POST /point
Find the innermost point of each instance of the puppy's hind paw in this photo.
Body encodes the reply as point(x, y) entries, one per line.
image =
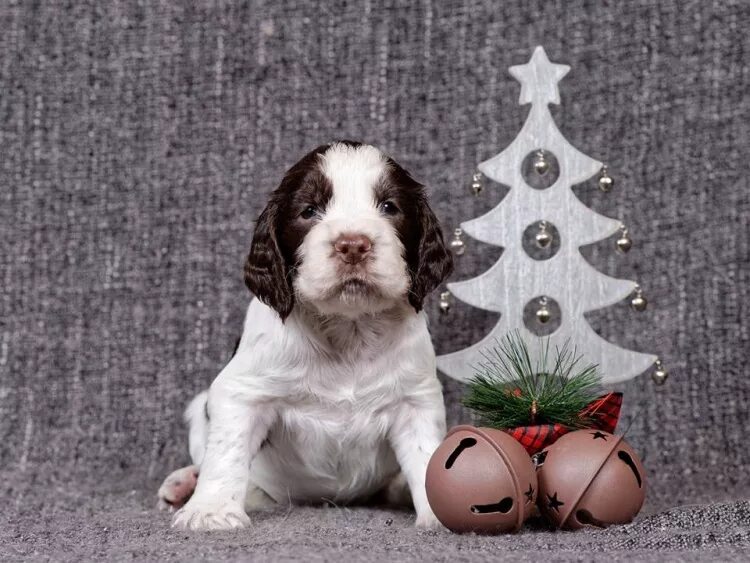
point(210, 516)
point(177, 488)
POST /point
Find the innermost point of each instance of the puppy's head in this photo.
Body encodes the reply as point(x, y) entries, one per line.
point(347, 232)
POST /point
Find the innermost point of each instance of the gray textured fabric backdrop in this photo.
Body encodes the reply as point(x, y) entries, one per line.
point(138, 142)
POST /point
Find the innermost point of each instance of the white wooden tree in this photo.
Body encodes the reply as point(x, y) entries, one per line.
point(565, 278)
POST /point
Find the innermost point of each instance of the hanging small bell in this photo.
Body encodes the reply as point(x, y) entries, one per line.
point(445, 302)
point(624, 243)
point(541, 165)
point(606, 182)
point(476, 183)
point(543, 237)
point(638, 302)
point(659, 375)
point(542, 314)
point(457, 245)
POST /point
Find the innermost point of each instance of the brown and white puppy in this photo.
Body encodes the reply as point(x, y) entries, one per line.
point(332, 393)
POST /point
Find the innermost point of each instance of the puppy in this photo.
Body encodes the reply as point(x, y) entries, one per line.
point(332, 393)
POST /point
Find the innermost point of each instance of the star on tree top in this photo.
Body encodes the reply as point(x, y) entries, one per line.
point(539, 79)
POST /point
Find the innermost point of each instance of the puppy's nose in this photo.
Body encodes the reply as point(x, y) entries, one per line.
point(352, 248)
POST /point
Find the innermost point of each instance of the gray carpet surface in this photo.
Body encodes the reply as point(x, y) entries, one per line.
point(122, 526)
point(138, 142)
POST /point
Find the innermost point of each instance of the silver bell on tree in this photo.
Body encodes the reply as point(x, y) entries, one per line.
point(543, 237)
point(659, 375)
point(606, 182)
point(638, 302)
point(542, 314)
point(476, 183)
point(624, 242)
point(541, 164)
point(445, 302)
point(457, 244)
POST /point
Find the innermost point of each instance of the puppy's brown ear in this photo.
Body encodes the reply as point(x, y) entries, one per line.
point(433, 262)
point(266, 271)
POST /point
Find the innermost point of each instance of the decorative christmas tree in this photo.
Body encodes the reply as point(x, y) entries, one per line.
point(541, 225)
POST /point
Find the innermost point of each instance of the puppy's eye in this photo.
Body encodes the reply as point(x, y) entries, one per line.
point(309, 212)
point(389, 208)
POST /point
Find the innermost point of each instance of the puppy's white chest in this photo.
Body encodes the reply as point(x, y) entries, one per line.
point(320, 449)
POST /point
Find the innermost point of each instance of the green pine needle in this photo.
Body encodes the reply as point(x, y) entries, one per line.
point(508, 386)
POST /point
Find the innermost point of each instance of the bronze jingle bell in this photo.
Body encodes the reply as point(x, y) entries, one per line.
point(590, 478)
point(481, 480)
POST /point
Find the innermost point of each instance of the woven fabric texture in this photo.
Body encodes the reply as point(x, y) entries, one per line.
point(139, 141)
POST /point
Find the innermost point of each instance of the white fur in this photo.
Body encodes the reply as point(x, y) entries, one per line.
point(344, 391)
point(195, 416)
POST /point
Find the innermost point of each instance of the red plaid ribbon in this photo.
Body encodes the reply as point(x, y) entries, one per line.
point(603, 414)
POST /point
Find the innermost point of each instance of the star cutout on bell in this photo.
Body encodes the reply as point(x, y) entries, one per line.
point(599, 435)
point(539, 78)
point(554, 503)
point(529, 494)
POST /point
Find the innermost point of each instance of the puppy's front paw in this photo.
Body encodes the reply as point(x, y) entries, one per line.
point(203, 515)
point(426, 520)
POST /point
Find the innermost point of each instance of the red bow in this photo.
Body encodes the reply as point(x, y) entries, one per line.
point(603, 414)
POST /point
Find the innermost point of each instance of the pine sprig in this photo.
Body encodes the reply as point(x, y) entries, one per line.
point(511, 390)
